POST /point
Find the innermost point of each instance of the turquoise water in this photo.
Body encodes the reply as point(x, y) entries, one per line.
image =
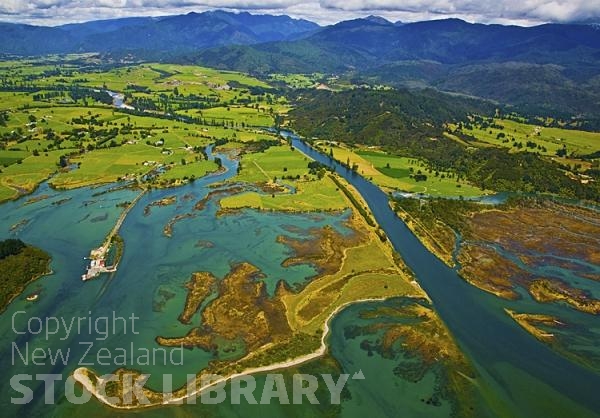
point(152, 265)
point(517, 376)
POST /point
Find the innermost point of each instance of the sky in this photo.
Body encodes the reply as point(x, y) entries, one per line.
point(519, 12)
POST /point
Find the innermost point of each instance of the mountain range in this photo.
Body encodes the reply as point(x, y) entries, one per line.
point(189, 32)
point(551, 69)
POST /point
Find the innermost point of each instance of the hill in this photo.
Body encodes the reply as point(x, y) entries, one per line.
point(412, 124)
point(548, 70)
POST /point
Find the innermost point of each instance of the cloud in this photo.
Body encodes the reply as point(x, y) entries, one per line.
point(526, 12)
point(540, 10)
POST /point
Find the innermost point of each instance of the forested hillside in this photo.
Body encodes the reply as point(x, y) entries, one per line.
point(413, 124)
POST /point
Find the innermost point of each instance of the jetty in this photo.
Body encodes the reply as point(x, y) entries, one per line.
point(98, 255)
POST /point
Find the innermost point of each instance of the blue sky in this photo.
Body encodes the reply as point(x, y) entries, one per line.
point(521, 12)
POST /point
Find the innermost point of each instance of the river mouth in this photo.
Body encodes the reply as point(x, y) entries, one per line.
point(518, 375)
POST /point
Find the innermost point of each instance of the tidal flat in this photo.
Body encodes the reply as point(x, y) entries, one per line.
point(539, 254)
point(246, 325)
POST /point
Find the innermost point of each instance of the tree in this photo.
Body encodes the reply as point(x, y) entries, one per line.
point(3, 118)
point(63, 161)
point(10, 247)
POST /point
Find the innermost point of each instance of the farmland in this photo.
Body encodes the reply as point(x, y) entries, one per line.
point(519, 136)
point(309, 196)
point(400, 173)
point(275, 162)
point(59, 120)
point(295, 187)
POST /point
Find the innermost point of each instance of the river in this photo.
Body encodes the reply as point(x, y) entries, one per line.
point(526, 377)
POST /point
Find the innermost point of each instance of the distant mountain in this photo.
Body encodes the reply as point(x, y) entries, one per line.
point(32, 40)
point(547, 69)
point(378, 19)
point(82, 30)
point(453, 41)
point(378, 42)
point(189, 32)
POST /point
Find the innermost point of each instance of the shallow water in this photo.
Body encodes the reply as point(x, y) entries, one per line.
point(517, 375)
point(152, 266)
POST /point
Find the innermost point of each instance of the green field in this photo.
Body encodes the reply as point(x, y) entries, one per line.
point(109, 165)
point(309, 81)
point(191, 170)
point(547, 140)
point(156, 77)
point(62, 111)
point(310, 195)
point(239, 115)
point(26, 176)
point(276, 162)
point(400, 170)
point(394, 172)
point(299, 81)
point(288, 167)
point(12, 157)
point(103, 163)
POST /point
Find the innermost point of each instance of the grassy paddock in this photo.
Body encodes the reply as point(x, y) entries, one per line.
point(310, 196)
point(39, 131)
point(374, 165)
point(550, 139)
point(276, 161)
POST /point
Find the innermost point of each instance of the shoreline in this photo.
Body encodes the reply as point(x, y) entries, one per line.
point(89, 380)
point(425, 237)
point(50, 272)
point(21, 191)
point(80, 374)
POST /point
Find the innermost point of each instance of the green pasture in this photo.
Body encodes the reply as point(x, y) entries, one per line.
point(552, 139)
